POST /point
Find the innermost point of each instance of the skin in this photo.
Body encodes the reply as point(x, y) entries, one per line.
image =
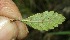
point(10, 29)
point(9, 9)
point(22, 30)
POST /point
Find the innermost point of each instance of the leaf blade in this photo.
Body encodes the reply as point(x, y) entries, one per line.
point(45, 21)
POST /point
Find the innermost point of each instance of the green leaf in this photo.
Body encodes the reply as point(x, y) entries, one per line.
point(44, 21)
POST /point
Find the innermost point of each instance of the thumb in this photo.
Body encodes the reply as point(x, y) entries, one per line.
point(8, 30)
